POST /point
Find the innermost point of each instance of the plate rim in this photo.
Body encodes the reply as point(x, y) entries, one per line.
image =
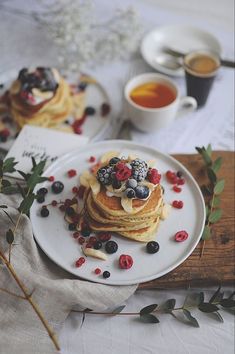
point(153, 150)
point(157, 67)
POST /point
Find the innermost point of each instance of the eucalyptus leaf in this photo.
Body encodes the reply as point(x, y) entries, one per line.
point(10, 236)
point(207, 211)
point(192, 300)
point(219, 187)
point(3, 206)
point(191, 319)
point(206, 157)
point(217, 296)
point(206, 190)
point(209, 150)
point(148, 318)
point(227, 303)
point(21, 190)
point(148, 309)
point(33, 162)
point(215, 216)
point(206, 235)
point(169, 304)
point(6, 183)
point(24, 175)
point(217, 316)
point(36, 173)
point(118, 309)
point(9, 165)
point(207, 307)
point(26, 203)
point(9, 190)
point(231, 295)
point(217, 164)
point(215, 203)
point(211, 175)
point(201, 295)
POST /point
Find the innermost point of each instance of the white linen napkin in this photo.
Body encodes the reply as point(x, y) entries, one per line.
point(55, 291)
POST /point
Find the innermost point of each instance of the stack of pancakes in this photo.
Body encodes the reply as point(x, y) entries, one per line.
point(49, 113)
point(105, 213)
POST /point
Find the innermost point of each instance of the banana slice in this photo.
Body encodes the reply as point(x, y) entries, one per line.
point(150, 185)
point(95, 253)
point(151, 163)
point(165, 211)
point(132, 157)
point(127, 204)
point(84, 179)
point(108, 156)
point(15, 88)
point(94, 184)
point(46, 95)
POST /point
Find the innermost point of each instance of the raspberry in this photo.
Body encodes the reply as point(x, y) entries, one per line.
point(92, 240)
point(153, 176)
point(89, 245)
point(120, 166)
point(76, 234)
point(80, 262)
point(81, 191)
point(92, 159)
point(125, 261)
point(81, 240)
point(178, 204)
point(68, 202)
point(75, 190)
point(123, 174)
point(171, 177)
point(177, 189)
point(104, 236)
point(51, 179)
point(72, 173)
point(105, 109)
point(181, 236)
point(5, 133)
point(181, 181)
point(97, 271)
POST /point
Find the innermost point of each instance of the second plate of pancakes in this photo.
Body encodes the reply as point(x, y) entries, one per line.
point(56, 240)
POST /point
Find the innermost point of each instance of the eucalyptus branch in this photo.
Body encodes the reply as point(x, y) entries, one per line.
point(31, 179)
point(212, 190)
point(193, 301)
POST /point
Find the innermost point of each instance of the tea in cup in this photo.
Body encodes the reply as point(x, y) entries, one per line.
point(153, 101)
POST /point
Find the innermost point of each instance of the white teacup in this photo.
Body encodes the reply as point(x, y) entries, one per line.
point(150, 119)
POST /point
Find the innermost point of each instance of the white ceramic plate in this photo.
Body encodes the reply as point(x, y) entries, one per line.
point(57, 242)
point(95, 127)
point(178, 37)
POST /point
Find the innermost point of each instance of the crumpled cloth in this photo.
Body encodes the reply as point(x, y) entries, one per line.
point(55, 291)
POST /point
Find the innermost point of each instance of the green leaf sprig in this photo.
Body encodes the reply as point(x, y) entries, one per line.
point(212, 190)
point(193, 301)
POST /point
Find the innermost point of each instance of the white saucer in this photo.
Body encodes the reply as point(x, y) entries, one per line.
point(178, 37)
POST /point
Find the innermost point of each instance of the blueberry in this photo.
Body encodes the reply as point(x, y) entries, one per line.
point(114, 160)
point(44, 212)
point(85, 232)
point(70, 211)
point(152, 247)
point(82, 86)
point(57, 187)
point(130, 193)
point(111, 247)
point(42, 191)
point(131, 183)
point(40, 198)
point(90, 111)
point(179, 174)
point(72, 227)
point(142, 192)
point(97, 245)
point(116, 184)
point(106, 274)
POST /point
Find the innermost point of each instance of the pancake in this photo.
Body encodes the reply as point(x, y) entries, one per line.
point(112, 205)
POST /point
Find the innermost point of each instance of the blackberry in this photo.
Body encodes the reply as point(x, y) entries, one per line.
point(114, 160)
point(139, 169)
point(104, 175)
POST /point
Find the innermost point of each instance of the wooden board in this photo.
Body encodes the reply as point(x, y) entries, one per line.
point(217, 264)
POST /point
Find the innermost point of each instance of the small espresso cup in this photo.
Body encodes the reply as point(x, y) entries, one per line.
point(200, 67)
point(151, 119)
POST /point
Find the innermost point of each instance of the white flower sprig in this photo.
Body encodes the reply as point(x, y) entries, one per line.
point(82, 39)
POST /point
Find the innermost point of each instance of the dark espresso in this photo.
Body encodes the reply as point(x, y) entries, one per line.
point(200, 71)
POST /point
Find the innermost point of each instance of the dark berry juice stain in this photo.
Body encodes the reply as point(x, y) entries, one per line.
point(224, 239)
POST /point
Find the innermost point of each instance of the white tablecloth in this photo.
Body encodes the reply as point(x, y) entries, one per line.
point(21, 45)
